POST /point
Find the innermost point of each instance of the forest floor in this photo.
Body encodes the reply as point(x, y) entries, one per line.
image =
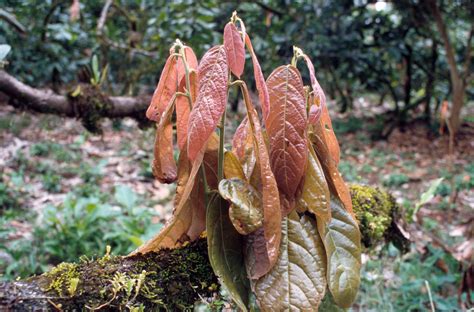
point(65, 192)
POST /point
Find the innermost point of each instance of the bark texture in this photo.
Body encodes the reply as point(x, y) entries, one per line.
point(46, 101)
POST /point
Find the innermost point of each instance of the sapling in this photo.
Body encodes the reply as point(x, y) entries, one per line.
point(275, 209)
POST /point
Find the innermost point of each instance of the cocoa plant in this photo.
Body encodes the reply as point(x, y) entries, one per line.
point(275, 209)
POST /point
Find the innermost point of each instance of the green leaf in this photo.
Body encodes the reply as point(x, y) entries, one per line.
point(429, 194)
point(341, 238)
point(95, 68)
point(224, 245)
point(315, 196)
point(328, 304)
point(4, 50)
point(297, 282)
point(246, 212)
point(125, 196)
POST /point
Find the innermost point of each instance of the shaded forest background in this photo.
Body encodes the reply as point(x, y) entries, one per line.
point(387, 67)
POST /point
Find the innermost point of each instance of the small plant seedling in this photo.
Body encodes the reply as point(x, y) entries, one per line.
point(276, 211)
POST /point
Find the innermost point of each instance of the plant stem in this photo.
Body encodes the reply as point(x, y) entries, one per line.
point(220, 171)
point(206, 187)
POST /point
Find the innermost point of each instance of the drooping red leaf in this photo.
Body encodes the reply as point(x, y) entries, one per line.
point(211, 99)
point(166, 88)
point(164, 165)
point(264, 245)
point(286, 129)
point(188, 219)
point(191, 60)
point(183, 110)
point(318, 93)
point(235, 49)
point(259, 80)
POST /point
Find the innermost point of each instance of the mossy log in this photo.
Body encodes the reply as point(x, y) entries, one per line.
point(169, 279)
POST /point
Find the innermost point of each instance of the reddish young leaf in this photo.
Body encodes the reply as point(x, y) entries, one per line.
point(235, 49)
point(183, 110)
point(211, 99)
point(319, 96)
point(259, 80)
point(240, 139)
point(286, 129)
point(266, 242)
point(164, 165)
point(166, 88)
point(191, 60)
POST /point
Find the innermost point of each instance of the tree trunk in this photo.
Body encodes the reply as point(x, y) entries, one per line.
point(168, 279)
point(458, 92)
point(458, 79)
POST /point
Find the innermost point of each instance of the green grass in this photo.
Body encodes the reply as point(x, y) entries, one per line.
point(392, 282)
point(79, 226)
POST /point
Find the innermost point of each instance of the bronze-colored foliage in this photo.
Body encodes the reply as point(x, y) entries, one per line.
point(286, 129)
point(211, 99)
point(232, 167)
point(315, 196)
point(225, 251)
point(341, 238)
point(298, 280)
point(335, 181)
point(244, 199)
point(245, 211)
point(266, 242)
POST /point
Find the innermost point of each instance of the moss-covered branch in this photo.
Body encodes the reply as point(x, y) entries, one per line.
point(167, 280)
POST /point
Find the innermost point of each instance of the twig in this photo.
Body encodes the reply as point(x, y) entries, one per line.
point(12, 20)
point(103, 17)
point(431, 297)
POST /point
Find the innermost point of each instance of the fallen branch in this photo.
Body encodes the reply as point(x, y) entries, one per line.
point(169, 279)
point(46, 101)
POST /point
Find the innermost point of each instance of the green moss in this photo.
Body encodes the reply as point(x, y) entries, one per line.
point(62, 277)
point(166, 280)
point(374, 209)
point(90, 105)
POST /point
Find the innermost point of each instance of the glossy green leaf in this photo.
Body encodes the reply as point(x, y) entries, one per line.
point(341, 239)
point(315, 194)
point(224, 245)
point(297, 282)
point(246, 210)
